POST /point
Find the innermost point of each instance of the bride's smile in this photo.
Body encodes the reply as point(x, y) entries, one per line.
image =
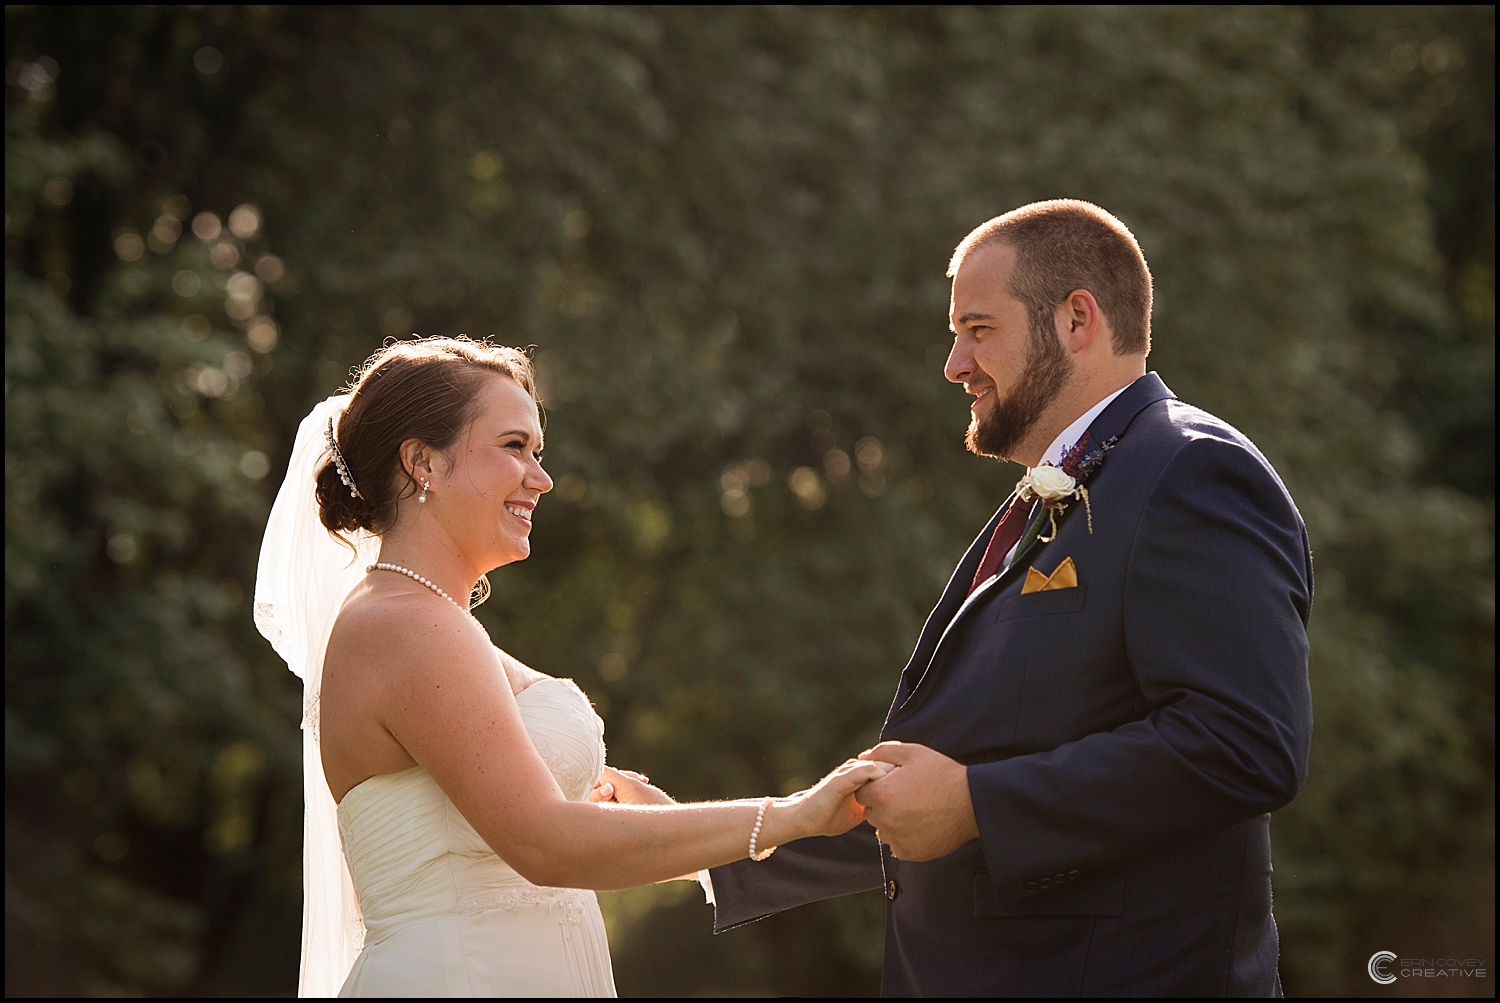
point(521, 510)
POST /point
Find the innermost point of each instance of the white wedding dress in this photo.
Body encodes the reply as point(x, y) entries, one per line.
point(443, 914)
point(401, 897)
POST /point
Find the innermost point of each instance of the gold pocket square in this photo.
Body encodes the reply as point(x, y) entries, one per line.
point(1065, 576)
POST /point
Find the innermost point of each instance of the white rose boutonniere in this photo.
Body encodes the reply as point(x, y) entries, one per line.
point(1058, 485)
point(1048, 483)
point(1056, 488)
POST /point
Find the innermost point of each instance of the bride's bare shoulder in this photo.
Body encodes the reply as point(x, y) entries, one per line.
point(379, 628)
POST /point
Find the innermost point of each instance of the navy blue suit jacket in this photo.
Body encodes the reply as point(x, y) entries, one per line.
point(1125, 740)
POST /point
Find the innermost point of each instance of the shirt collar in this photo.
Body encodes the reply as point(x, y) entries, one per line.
point(1074, 432)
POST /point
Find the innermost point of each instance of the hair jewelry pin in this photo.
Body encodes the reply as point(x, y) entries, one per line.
point(338, 462)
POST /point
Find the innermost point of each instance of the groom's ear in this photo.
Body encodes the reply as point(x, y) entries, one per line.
point(1079, 321)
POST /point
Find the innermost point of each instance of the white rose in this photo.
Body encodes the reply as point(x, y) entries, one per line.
point(1050, 482)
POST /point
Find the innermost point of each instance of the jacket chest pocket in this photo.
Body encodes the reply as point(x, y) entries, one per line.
point(1045, 603)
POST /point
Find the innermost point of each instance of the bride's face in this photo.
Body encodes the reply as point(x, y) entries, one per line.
point(487, 484)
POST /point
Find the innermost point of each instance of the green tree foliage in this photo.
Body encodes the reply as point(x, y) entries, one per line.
point(724, 231)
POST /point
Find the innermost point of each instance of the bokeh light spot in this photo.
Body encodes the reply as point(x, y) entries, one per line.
point(269, 269)
point(212, 382)
point(208, 60)
point(129, 246)
point(808, 487)
point(164, 234)
point(225, 255)
point(244, 222)
point(206, 226)
point(836, 463)
point(238, 365)
point(176, 207)
point(577, 224)
point(486, 166)
point(186, 283)
point(121, 548)
point(58, 191)
point(254, 465)
point(261, 335)
point(111, 847)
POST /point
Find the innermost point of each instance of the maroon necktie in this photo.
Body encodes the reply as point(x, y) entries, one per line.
point(1007, 532)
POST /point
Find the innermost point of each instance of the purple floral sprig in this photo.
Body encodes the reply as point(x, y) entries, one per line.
point(1080, 464)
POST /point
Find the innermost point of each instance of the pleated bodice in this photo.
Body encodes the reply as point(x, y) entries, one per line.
point(424, 876)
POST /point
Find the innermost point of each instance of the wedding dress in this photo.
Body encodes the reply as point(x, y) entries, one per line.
point(401, 897)
point(443, 914)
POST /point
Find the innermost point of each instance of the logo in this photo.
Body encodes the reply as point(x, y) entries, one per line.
point(1386, 967)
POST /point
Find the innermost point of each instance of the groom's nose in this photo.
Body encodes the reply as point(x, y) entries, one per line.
point(960, 365)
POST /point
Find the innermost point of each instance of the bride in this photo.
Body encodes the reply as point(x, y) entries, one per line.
point(457, 802)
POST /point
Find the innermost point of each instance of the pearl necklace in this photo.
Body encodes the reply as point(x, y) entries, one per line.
point(382, 566)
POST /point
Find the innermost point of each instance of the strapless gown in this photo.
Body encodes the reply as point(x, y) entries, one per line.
point(443, 914)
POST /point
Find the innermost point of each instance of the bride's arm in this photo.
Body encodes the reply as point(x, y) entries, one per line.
point(443, 696)
point(630, 787)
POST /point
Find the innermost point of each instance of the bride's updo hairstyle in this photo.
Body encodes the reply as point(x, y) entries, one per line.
point(425, 389)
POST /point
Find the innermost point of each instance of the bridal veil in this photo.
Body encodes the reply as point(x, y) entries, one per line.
point(302, 581)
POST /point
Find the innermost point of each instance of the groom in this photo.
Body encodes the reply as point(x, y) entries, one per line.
point(1111, 695)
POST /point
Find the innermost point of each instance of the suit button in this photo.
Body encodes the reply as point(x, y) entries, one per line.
point(1059, 879)
point(892, 889)
point(1074, 874)
point(1031, 888)
point(1046, 883)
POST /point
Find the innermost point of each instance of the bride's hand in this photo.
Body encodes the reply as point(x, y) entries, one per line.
point(828, 808)
point(627, 787)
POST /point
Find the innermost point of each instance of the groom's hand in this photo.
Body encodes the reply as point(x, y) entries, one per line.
point(922, 810)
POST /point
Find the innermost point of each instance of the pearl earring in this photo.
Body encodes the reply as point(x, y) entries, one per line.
point(423, 496)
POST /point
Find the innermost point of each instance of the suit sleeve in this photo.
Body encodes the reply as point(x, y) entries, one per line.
point(808, 870)
point(1217, 595)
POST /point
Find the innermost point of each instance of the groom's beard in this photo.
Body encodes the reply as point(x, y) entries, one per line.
point(1047, 371)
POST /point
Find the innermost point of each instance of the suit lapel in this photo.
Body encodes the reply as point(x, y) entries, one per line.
point(965, 605)
point(942, 614)
point(1111, 423)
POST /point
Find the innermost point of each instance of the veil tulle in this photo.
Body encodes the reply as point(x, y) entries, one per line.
point(301, 583)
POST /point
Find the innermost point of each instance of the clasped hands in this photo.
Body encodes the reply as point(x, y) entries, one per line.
point(919, 803)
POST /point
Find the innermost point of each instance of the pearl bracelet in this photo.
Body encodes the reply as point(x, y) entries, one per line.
point(760, 818)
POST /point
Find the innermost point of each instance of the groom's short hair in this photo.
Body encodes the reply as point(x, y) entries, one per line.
point(1067, 244)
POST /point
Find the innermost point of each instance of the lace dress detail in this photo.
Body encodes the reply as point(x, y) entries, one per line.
point(567, 904)
point(444, 914)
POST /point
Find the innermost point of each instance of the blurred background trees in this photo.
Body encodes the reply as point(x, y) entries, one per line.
point(724, 231)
